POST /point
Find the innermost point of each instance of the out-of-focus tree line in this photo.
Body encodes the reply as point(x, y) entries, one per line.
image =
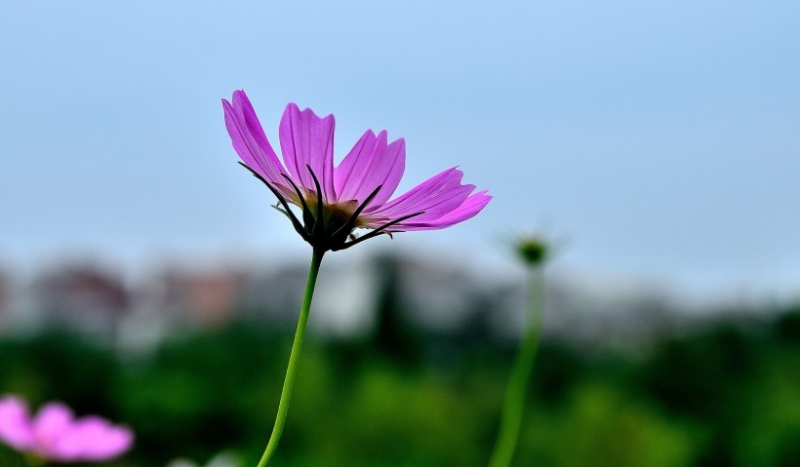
point(724, 395)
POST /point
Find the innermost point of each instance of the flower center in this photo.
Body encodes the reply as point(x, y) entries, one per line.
point(334, 216)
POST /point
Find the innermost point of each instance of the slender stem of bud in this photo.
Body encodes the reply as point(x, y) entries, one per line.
point(520, 373)
point(294, 358)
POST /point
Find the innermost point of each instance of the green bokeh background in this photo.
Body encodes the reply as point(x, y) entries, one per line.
point(726, 395)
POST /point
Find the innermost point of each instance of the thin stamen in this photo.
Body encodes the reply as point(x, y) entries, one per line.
point(352, 221)
point(380, 230)
point(319, 220)
point(299, 193)
point(295, 222)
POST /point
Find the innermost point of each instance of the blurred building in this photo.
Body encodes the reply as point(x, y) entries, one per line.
point(177, 300)
point(388, 297)
point(5, 304)
point(273, 295)
point(204, 300)
point(83, 298)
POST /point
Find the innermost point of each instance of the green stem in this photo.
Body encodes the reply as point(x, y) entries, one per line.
point(520, 374)
point(294, 358)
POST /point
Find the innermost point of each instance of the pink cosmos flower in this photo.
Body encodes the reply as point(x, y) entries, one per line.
point(55, 435)
point(355, 193)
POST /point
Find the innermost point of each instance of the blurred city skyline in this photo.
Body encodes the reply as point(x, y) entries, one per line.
point(658, 141)
point(101, 303)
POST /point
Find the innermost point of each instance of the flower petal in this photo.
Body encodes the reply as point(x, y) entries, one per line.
point(249, 140)
point(307, 141)
point(51, 423)
point(93, 439)
point(371, 163)
point(15, 423)
point(434, 197)
point(468, 209)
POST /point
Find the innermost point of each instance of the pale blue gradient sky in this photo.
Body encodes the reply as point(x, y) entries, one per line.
point(662, 139)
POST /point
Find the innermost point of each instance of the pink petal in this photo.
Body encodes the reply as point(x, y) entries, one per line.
point(92, 439)
point(249, 140)
point(434, 197)
point(115, 442)
point(307, 141)
point(51, 423)
point(468, 209)
point(15, 423)
point(369, 164)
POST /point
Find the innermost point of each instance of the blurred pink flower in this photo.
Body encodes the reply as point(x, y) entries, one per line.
point(353, 194)
point(54, 434)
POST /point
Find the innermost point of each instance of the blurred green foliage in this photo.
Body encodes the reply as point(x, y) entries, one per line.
point(726, 396)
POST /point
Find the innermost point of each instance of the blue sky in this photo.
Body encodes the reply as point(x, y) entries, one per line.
point(660, 139)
